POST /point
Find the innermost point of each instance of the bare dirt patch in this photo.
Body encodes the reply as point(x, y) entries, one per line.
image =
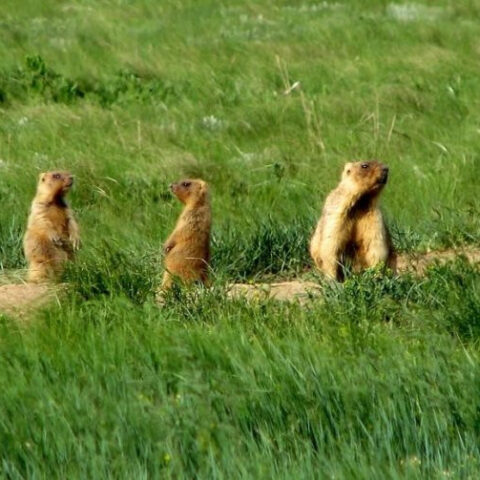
point(19, 300)
point(418, 262)
point(302, 290)
point(296, 290)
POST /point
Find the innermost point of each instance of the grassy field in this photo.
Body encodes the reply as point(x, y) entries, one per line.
point(381, 378)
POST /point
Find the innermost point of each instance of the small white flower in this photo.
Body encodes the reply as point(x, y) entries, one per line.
point(23, 121)
point(212, 123)
point(409, 12)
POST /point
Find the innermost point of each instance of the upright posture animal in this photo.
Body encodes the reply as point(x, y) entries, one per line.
point(187, 250)
point(52, 233)
point(351, 226)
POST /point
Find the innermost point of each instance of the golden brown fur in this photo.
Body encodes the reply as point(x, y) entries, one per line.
point(52, 234)
point(351, 225)
point(187, 250)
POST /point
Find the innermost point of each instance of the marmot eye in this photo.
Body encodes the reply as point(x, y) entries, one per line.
point(186, 184)
point(364, 165)
point(56, 176)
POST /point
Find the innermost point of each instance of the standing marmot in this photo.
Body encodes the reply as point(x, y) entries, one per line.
point(351, 225)
point(187, 250)
point(52, 233)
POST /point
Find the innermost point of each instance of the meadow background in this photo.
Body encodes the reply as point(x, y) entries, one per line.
point(378, 379)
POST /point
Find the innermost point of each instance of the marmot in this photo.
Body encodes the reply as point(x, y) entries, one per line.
point(187, 250)
point(52, 233)
point(351, 225)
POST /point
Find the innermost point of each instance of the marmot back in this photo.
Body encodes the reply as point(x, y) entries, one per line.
point(52, 234)
point(187, 250)
point(352, 225)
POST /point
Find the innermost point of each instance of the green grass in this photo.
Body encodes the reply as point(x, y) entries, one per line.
point(380, 379)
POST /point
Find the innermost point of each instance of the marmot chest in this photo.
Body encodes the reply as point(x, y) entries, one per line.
point(57, 218)
point(194, 222)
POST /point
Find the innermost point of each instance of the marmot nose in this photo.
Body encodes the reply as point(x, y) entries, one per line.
point(385, 169)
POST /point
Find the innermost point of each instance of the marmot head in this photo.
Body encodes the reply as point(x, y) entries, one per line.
point(53, 185)
point(190, 191)
point(365, 177)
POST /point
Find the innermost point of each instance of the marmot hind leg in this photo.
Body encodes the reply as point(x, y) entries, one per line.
point(328, 261)
point(42, 272)
point(45, 261)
